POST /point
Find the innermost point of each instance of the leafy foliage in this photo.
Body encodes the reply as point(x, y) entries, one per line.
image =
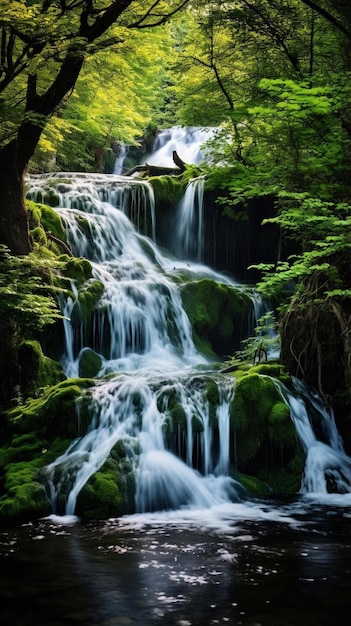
point(322, 230)
point(26, 294)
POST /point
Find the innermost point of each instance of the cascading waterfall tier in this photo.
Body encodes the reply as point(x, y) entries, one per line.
point(175, 441)
point(187, 233)
point(156, 396)
point(158, 404)
point(327, 466)
point(93, 192)
point(188, 142)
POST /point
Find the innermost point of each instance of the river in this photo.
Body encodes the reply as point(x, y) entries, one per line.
point(265, 563)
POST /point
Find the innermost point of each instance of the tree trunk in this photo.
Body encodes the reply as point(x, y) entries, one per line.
point(14, 157)
point(14, 229)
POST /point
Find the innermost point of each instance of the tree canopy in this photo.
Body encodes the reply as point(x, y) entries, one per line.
point(43, 49)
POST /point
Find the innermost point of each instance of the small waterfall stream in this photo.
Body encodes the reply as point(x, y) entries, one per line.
point(156, 398)
point(188, 142)
point(187, 235)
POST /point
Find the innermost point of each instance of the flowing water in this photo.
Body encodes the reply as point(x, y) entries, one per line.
point(196, 551)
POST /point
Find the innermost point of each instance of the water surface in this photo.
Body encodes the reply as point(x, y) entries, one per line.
point(254, 563)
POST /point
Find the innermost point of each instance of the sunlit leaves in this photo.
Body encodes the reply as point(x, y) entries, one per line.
point(25, 291)
point(323, 231)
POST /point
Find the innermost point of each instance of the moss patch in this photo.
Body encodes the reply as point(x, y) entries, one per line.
point(42, 215)
point(218, 314)
point(25, 497)
point(53, 414)
point(266, 440)
point(167, 188)
point(37, 370)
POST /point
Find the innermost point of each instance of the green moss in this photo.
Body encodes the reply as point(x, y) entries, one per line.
point(218, 314)
point(178, 416)
point(47, 218)
point(275, 370)
point(89, 363)
point(266, 442)
point(25, 497)
point(53, 414)
point(78, 269)
point(37, 370)
point(88, 296)
point(252, 485)
point(254, 398)
point(36, 434)
point(102, 497)
point(168, 188)
point(39, 236)
point(212, 391)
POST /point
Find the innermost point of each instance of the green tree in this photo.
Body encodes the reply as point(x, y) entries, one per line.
point(100, 116)
point(277, 77)
point(43, 48)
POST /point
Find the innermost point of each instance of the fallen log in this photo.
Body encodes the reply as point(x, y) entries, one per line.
point(158, 170)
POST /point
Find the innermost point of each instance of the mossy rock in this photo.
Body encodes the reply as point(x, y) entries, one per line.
point(102, 497)
point(89, 295)
point(89, 363)
point(53, 414)
point(36, 434)
point(77, 269)
point(218, 314)
point(39, 236)
point(24, 496)
point(272, 369)
point(266, 440)
point(37, 370)
point(167, 188)
point(44, 216)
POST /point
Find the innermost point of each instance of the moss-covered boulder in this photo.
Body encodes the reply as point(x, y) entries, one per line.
point(53, 414)
point(167, 189)
point(37, 371)
point(77, 269)
point(23, 495)
point(32, 436)
point(46, 227)
point(89, 363)
point(219, 315)
point(110, 492)
point(266, 444)
point(102, 496)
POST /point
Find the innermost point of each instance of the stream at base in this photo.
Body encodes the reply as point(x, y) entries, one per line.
point(258, 563)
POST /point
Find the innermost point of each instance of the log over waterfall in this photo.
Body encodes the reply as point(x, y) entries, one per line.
point(158, 170)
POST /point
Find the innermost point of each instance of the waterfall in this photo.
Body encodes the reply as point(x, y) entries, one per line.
point(156, 396)
point(187, 234)
point(188, 142)
point(154, 401)
point(95, 193)
point(136, 409)
point(118, 169)
point(327, 467)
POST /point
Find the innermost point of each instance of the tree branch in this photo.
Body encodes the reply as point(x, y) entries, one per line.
point(329, 17)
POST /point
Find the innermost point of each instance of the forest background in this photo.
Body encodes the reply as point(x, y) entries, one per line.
point(78, 79)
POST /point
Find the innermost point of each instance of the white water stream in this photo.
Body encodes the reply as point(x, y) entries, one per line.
point(157, 376)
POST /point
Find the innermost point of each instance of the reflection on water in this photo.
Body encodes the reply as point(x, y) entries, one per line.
point(254, 564)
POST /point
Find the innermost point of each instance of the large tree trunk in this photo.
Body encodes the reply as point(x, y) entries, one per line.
point(14, 230)
point(15, 156)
